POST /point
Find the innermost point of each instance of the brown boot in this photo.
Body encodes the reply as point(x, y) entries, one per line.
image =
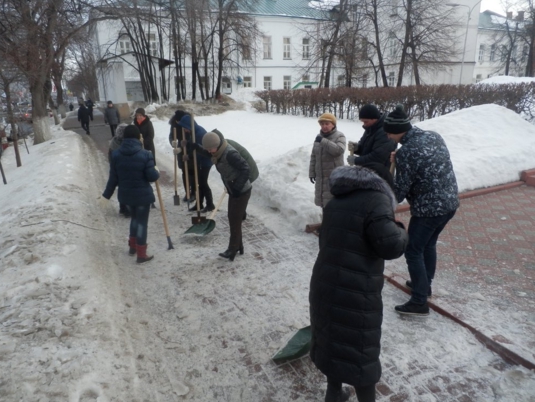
point(142, 254)
point(132, 245)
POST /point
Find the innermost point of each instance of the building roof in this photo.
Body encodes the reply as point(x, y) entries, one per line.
point(291, 8)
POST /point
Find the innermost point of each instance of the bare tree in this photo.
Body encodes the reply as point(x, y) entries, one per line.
point(9, 76)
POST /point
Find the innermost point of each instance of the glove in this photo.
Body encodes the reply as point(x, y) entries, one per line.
point(351, 146)
point(319, 138)
point(351, 160)
point(313, 180)
point(177, 151)
point(156, 168)
point(184, 144)
point(185, 158)
point(174, 143)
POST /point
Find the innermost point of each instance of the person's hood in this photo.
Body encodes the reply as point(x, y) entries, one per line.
point(347, 179)
point(186, 123)
point(130, 146)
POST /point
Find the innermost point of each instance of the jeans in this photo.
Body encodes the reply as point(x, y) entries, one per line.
point(421, 252)
point(139, 221)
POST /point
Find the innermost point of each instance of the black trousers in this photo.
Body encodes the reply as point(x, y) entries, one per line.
point(85, 125)
point(205, 192)
point(364, 394)
point(113, 127)
point(236, 210)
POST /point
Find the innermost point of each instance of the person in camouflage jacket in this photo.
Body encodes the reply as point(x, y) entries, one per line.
point(425, 177)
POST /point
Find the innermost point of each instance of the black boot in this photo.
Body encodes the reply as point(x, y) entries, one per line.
point(241, 249)
point(228, 254)
point(208, 208)
point(339, 395)
point(194, 208)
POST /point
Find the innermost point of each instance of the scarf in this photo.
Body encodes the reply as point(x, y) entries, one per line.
point(219, 152)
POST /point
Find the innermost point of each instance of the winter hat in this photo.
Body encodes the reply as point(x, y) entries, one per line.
point(210, 140)
point(140, 111)
point(186, 122)
point(131, 131)
point(369, 112)
point(397, 122)
point(119, 131)
point(327, 117)
point(179, 114)
point(110, 103)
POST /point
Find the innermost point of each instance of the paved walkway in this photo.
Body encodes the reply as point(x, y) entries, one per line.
point(485, 280)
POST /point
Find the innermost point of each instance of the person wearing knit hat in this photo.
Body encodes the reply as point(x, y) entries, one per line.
point(327, 153)
point(426, 179)
point(397, 122)
point(374, 146)
point(111, 117)
point(234, 171)
point(132, 169)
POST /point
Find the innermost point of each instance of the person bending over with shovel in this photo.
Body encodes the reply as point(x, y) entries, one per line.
point(234, 172)
point(132, 169)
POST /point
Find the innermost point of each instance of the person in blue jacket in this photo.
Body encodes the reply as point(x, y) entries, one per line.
point(132, 168)
point(204, 163)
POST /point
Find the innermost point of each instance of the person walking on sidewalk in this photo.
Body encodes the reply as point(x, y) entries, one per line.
point(132, 169)
point(143, 123)
point(115, 143)
point(357, 234)
point(83, 117)
point(112, 117)
point(374, 145)
point(425, 177)
point(90, 105)
point(327, 153)
point(204, 164)
point(234, 171)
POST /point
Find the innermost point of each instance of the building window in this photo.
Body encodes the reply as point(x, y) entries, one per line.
point(306, 48)
point(524, 55)
point(226, 85)
point(391, 79)
point(503, 53)
point(267, 47)
point(124, 44)
point(341, 80)
point(364, 81)
point(394, 7)
point(287, 52)
point(481, 56)
point(245, 51)
point(392, 44)
point(247, 82)
point(287, 81)
point(492, 53)
point(203, 82)
point(153, 45)
point(478, 77)
point(267, 83)
point(305, 78)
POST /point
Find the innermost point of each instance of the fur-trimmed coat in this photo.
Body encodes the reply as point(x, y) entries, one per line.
point(357, 234)
point(326, 156)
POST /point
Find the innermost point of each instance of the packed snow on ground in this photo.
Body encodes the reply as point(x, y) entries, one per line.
point(81, 322)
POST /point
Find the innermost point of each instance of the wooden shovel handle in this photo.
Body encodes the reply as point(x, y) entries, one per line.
point(186, 174)
point(162, 208)
point(218, 203)
point(176, 157)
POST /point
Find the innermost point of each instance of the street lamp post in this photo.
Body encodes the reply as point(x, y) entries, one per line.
point(470, 9)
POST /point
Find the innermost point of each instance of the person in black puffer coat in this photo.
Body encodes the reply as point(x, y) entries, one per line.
point(374, 145)
point(132, 169)
point(357, 234)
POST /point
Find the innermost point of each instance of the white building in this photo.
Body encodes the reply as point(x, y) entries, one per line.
point(283, 59)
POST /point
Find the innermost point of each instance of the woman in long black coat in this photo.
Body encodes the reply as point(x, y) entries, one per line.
point(357, 234)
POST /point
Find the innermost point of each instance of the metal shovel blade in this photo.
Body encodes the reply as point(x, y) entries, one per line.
point(202, 228)
point(176, 199)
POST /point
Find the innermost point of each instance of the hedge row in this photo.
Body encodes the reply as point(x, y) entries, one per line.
point(420, 102)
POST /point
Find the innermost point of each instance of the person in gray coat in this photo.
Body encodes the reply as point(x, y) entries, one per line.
point(112, 117)
point(327, 154)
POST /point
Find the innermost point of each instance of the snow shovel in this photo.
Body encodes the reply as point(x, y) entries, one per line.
point(198, 218)
point(163, 216)
point(296, 347)
point(203, 228)
point(176, 197)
